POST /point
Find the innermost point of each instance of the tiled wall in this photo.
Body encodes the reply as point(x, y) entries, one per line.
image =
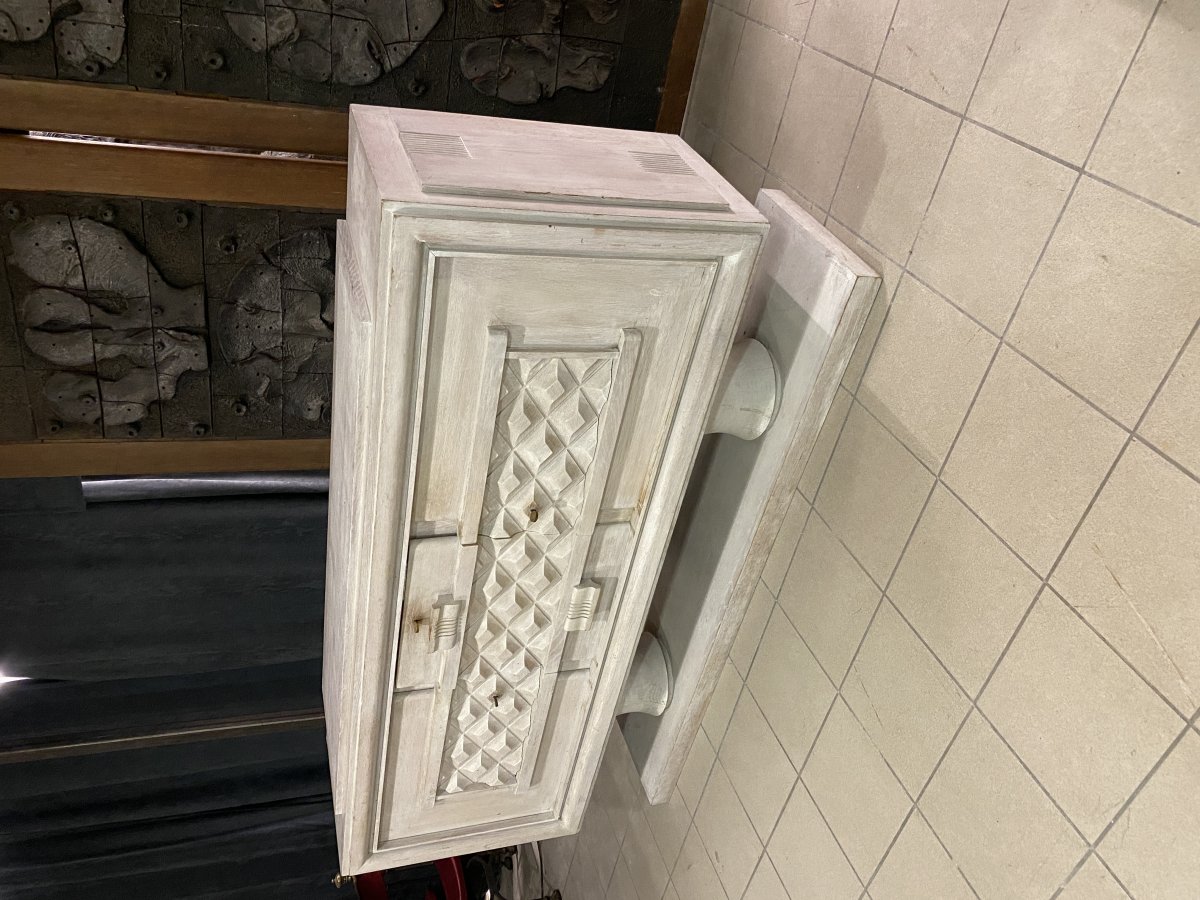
point(973, 666)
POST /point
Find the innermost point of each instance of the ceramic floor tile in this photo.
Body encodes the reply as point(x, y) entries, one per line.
point(757, 765)
point(622, 886)
point(1132, 571)
point(669, 822)
point(806, 856)
point(597, 849)
point(828, 597)
point(1078, 716)
point(773, 182)
point(696, 769)
point(1093, 882)
point(694, 875)
point(962, 589)
point(639, 853)
point(917, 868)
point(556, 858)
point(789, 16)
point(892, 168)
point(1169, 805)
point(1113, 299)
point(745, 645)
point(936, 48)
point(1159, 107)
point(732, 844)
point(890, 272)
point(873, 492)
point(738, 169)
point(765, 885)
point(758, 90)
point(903, 698)
point(853, 30)
point(1030, 458)
point(720, 705)
point(999, 827)
point(790, 687)
point(989, 220)
point(818, 460)
point(1055, 68)
point(818, 123)
point(1173, 422)
point(582, 885)
point(710, 86)
point(857, 794)
point(926, 368)
point(784, 547)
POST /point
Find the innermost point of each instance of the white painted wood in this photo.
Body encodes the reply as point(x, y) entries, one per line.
point(810, 298)
point(648, 688)
point(524, 364)
point(747, 394)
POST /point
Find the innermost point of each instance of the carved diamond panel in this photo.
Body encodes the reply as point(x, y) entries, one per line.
point(544, 443)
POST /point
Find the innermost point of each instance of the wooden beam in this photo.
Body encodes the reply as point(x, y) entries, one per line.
point(132, 170)
point(136, 115)
point(685, 48)
point(78, 458)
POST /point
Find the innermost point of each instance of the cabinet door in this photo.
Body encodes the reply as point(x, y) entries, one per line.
point(535, 400)
point(534, 366)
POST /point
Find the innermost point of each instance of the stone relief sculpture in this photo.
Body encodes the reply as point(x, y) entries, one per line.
point(323, 51)
point(350, 42)
point(93, 320)
point(275, 327)
point(138, 318)
point(89, 34)
point(534, 66)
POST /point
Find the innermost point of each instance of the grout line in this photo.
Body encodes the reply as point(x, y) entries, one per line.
point(1002, 342)
point(849, 149)
point(825, 821)
point(786, 99)
point(1079, 168)
point(1119, 654)
point(762, 634)
point(886, 37)
point(1121, 86)
point(986, 56)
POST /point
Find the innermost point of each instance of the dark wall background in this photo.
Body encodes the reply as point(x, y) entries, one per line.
point(597, 62)
point(134, 319)
point(135, 618)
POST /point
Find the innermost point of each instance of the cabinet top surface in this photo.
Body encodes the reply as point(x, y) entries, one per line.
point(458, 160)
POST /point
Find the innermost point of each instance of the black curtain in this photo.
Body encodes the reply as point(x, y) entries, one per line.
point(135, 618)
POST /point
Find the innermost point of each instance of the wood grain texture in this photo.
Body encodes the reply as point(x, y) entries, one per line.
point(157, 116)
point(681, 64)
point(810, 298)
point(577, 282)
point(131, 170)
point(71, 458)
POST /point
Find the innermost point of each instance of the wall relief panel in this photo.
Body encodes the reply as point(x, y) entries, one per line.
point(125, 318)
point(479, 56)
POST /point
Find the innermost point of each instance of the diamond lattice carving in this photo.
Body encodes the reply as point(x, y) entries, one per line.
point(544, 443)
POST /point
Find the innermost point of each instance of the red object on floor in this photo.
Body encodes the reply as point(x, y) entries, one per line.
point(451, 873)
point(370, 886)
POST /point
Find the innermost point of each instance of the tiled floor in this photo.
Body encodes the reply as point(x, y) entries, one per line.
point(973, 667)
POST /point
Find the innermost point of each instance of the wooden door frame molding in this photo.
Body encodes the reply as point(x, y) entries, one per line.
point(41, 459)
point(681, 65)
point(161, 117)
point(135, 170)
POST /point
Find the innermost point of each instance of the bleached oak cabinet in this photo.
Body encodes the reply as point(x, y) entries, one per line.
point(531, 323)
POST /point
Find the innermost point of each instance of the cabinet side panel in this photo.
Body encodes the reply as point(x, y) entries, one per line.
point(345, 470)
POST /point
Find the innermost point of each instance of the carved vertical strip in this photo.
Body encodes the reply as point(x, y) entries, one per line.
point(549, 431)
